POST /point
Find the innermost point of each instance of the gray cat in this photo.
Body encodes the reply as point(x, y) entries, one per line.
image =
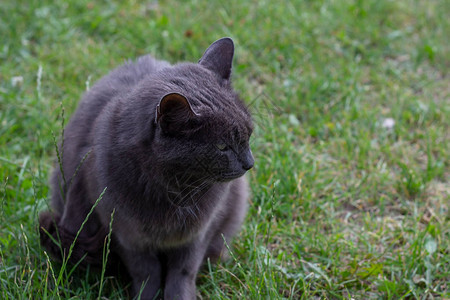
point(170, 144)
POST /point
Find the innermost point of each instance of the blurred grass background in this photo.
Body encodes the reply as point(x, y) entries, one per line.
point(351, 105)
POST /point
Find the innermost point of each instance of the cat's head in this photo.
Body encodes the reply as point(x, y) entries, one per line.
point(202, 127)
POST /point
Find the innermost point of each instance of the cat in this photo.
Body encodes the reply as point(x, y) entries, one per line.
point(167, 147)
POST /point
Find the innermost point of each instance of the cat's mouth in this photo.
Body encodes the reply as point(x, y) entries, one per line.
point(231, 175)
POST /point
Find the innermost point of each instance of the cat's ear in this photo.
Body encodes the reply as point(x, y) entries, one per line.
point(219, 57)
point(173, 113)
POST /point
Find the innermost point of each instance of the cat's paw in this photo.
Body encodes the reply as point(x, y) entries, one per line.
point(48, 232)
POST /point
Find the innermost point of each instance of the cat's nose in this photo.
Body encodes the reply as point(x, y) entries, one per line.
point(248, 161)
point(247, 166)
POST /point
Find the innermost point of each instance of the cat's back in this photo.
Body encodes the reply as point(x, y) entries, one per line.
point(118, 82)
point(129, 74)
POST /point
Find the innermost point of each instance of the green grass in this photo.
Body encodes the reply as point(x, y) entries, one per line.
point(342, 207)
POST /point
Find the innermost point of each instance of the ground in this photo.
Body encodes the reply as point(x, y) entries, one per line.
point(350, 189)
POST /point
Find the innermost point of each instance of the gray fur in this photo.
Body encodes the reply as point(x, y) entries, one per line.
point(174, 175)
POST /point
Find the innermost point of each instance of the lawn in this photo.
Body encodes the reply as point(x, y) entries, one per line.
point(350, 190)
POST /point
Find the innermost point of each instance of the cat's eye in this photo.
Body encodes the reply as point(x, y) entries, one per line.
point(222, 146)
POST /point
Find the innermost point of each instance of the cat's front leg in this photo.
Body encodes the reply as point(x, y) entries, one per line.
point(182, 268)
point(145, 270)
